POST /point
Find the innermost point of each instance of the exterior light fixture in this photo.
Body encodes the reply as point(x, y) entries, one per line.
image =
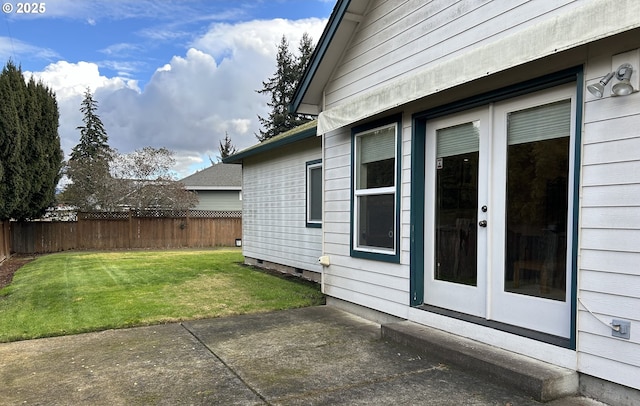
point(622, 88)
point(598, 89)
point(623, 74)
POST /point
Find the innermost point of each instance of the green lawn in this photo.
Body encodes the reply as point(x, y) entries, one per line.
point(69, 293)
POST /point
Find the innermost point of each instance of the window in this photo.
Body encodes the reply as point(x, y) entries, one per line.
point(314, 193)
point(375, 214)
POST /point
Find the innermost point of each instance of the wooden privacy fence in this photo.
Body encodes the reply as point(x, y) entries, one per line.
point(5, 240)
point(133, 229)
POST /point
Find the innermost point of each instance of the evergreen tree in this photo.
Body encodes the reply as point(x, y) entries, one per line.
point(281, 87)
point(12, 163)
point(227, 148)
point(30, 154)
point(88, 166)
point(93, 144)
point(42, 150)
point(305, 51)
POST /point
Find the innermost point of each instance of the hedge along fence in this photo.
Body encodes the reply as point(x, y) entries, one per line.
point(129, 230)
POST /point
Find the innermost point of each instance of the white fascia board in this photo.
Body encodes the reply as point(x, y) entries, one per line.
point(222, 188)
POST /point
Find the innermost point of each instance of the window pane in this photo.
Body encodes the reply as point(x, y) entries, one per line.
point(537, 201)
point(457, 204)
point(377, 174)
point(377, 145)
point(375, 160)
point(540, 123)
point(315, 194)
point(458, 139)
point(376, 221)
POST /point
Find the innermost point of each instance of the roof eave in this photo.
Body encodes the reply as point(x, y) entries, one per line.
point(319, 52)
point(267, 146)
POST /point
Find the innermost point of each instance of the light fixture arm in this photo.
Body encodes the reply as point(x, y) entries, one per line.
point(607, 78)
point(598, 89)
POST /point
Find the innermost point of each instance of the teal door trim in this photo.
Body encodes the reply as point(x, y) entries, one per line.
point(419, 125)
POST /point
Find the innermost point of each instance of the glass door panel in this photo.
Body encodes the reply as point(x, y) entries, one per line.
point(457, 203)
point(536, 201)
point(532, 225)
point(455, 253)
point(456, 222)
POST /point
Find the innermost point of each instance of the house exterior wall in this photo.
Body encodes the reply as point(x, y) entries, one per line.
point(274, 207)
point(219, 200)
point(382, 286)
point(608, 278)
point(542, 29)
point(424, 33)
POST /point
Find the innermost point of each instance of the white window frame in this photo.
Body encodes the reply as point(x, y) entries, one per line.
point(313, 165)
point(366, 251)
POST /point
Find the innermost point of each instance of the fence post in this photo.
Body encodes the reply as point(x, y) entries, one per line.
point(5, 240)
point(188, 230)
point(130, 230)
point(79, 229)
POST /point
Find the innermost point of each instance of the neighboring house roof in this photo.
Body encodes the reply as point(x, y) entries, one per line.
point(304, 131)
point(220, 176)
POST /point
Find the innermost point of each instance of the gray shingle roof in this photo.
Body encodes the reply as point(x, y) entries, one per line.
point(301, 132)
point(218, 176)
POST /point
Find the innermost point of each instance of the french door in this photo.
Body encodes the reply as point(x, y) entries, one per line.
point(498, 210)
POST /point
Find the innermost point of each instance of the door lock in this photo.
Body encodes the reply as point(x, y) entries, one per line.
point(482, 223)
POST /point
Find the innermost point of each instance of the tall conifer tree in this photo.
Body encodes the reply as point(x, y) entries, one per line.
point(30, 154)
point(281, 87)
point(12, 185)
point(226, 148)
point(88, 166)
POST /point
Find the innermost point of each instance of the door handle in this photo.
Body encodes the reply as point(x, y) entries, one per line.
point(482, 223)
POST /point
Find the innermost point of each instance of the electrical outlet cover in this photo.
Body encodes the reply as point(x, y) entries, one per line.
point(625, 329)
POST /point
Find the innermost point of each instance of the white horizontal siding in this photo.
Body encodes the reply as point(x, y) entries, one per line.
point(221, 200)
point(611, 283)
point(613, 196)
point(380, 285)
point(396, 38)
point(609, 261)
point(274, 207)
point(626, 374)
point(609, 276)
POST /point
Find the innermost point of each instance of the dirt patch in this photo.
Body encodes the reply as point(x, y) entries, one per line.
point(9, 267)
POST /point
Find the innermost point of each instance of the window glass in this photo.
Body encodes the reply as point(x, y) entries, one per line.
point(314, 194)
point(537, 200)
point(376, 221)
point(375, 208)
point(376, 158)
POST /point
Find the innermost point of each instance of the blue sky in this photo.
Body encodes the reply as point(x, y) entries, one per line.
point(175, 74)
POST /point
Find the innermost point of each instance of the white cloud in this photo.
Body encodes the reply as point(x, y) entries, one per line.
point(189, 103)
point(258, 36)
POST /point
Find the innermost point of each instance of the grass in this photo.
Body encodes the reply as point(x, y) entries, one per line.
point(69, 293)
